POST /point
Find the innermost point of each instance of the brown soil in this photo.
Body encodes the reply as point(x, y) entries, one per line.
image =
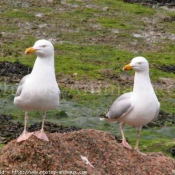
point(63, 151)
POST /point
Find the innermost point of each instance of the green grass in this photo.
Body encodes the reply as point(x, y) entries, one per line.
point(89, 60)
point(18, 14)
point(1, 146)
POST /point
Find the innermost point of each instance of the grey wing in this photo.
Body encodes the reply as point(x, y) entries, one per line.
point(20, 86)
point(157, 112)
point(120, 107)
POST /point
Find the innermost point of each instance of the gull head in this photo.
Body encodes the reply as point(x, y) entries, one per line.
point(139, 64)
point(43, 49)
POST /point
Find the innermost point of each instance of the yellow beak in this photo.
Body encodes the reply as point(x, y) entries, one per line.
point(30, 50)
point(127, 67)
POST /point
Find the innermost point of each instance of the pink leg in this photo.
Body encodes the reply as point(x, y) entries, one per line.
point(124, 142)
point(137, 141)
point(25, 135)
point(41, 134)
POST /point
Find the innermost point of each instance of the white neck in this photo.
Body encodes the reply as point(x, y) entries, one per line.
point(142, 83)
point(42, 63)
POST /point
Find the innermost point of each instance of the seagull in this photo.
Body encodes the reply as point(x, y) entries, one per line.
point(136, 108)
point(38, 91)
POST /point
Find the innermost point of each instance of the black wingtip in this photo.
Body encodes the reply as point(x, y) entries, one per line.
point(103, 117)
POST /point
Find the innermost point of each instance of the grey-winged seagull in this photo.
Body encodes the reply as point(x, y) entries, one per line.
point(38, 90)
point(136, 108)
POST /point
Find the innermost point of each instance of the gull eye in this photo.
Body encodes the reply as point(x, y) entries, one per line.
point(43, 45)
point(139, 62)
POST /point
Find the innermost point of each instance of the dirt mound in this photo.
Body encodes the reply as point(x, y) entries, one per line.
point(167, 68)
point(13, 71)
point(63, 153)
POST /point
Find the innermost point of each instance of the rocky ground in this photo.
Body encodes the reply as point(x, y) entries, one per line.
point(67, 144)
point(102, 155)
point(153, 2)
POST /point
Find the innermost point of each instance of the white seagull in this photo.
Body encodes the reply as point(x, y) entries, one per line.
point(38, 90)
point(136, 108)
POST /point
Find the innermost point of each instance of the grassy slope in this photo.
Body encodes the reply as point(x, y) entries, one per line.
point(89, 37)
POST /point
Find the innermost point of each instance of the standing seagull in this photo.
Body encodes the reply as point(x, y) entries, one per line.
point(136, 108)
point(39, 90)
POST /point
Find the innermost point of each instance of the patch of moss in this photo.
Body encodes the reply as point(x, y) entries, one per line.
point(18, 14)
point(1, 146)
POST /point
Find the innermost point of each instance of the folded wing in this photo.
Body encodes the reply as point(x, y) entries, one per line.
point(120, 107)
